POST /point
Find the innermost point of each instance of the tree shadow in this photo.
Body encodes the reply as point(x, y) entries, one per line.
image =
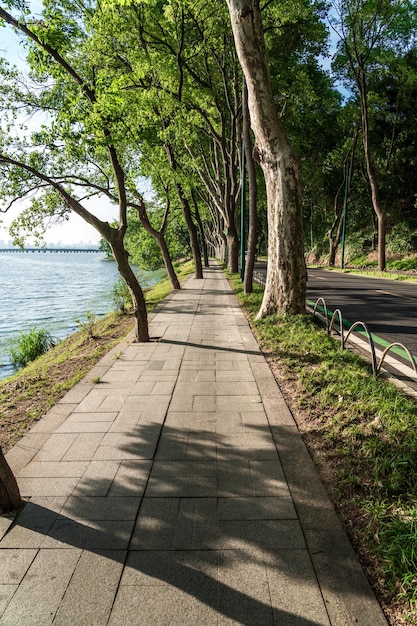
point(212, 520)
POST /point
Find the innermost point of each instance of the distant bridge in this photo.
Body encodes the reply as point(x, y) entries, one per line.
point(73, 250)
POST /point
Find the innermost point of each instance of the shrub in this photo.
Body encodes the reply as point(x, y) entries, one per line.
point(402, 239)
point(28, 346)
point(88, 325)
point(121, 296)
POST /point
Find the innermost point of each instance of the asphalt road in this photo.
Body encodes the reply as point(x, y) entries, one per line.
point(388, 307)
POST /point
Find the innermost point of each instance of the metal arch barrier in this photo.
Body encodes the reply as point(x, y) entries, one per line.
point(259, 278)
point(376, 367)
point(322, 300)
point(406, 350)
point(370, 341)
point(337, 313)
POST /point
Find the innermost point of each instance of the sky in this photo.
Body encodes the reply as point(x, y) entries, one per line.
point(75, 229)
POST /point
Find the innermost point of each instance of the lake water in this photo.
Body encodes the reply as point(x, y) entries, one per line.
point(53, 290)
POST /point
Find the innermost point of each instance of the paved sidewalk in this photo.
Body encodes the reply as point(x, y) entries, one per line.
point(177, 491)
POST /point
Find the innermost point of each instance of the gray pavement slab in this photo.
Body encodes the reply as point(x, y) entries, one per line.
point(177, 490)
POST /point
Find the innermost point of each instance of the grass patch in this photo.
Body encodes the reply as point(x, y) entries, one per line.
point(29, 394)
point(361, 432)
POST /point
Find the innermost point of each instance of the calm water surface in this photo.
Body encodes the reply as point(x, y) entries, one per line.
point(52, 291)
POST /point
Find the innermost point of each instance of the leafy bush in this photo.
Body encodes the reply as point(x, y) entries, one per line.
point(402, 239)
point(88, 325)
point(403, 264)
point(121, 296)
point(28, 346)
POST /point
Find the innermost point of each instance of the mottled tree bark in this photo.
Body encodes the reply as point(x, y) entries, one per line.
point(253, 195)
point(286, 277)
point(10, 498)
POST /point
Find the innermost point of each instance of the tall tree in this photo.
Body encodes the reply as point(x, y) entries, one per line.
point(369, 32)
point(60, 158)
point(286, 276)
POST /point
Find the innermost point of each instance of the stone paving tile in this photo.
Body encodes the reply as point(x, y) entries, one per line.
point(191, 376)
point(92, 417)
point(96, 508)
point(295, 595)
point(90, 595)
point(112, 388)
point(135, 449)
point(192, 421)
point(165, 606)
point(237, 403)
point(229, 388)
point(278, 412)
point(131, 478)
point(343, 583)
point(155, 527)
point(125, 422)
point(54, 469)
point(159, 376)
point(51, 487)
point(146, 403)
point(98, 400)
point(39, 594)
point(77, 393)
point(5, 524)
point(50, 422)
point(234, 376)
point(182, 486)
point(184, 468)
point(143, 388)
point(14, 565)
point(97, 479)
point(265, 534)
point(197, 526)
point(84, 427)
point(203, 403)
point(125, 375)
point(6, 594)
point(233, 365)
point(187, 446)
point(84, 446)
point(256, 508)
point(243, 590)
point(88, 534)
point(55, 447)
point(191, 570)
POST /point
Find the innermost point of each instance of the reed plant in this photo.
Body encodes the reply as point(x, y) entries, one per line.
point(30, 345)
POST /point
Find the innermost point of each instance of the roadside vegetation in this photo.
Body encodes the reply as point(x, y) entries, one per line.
point(33, 390)
point(29, 346)
point(361, 434)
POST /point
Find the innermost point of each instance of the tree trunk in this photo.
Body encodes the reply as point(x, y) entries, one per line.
point(286, 276)
point(334, 240)
point(253, 193)
point(168, 261)
point(10, 498)
point(138, 298)
point(232, 249)
point(195, 247)
point(160, 240)
point(201, 231)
